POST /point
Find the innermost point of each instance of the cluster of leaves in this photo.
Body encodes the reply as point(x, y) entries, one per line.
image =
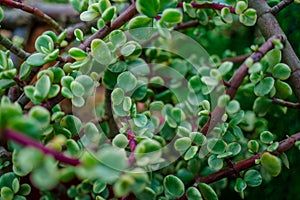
point(161, 93)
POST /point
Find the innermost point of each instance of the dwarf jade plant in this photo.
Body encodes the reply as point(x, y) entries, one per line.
point(145, 99)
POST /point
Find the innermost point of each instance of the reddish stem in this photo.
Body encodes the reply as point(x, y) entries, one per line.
point(27, 141)
point(38, 13)
point(236, 81)
point(247, 163)
point(286, 103)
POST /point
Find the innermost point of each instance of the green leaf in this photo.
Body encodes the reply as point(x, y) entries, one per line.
point(127, 103)
point(118, 38)
point(128, 49)
point(113, 158)
point(36, 59)
point(202, 16)
point(253, 146)
point(139, 21)
point(89, 15)
point(25, 189)
point(101, 52)
point(225, 67)
point(41, 114)
point(28, 159)
point(226, 15)
point(147, 151)
point(285, 160)
point(77, 89)
point(214, 162)
point(207, 192)
point(103, 5)
point(240, 185)
point(281, 71)
point(98, 186)
point(66, 92)
point(120, 141)
point(146, 194)
point(149, 8)
point(109, 13)
point(182, 144)
point(191, 152)
point(273, 57)
point(140, 92)
point(7, 193)
point(72, 147)
point(127, 81)
point(164, 4)
point(52, 56)
point(45, 177)
point(266, 137)
point(271, 164)
point(66, 81)
point(234, 147)
point(77, 53)
point(233, 107)
point(117, 96)
point(1, 14)
point(16, 185)
point(223, 100)
point(253, 178)
point(283, 90)
point(78, 34)
point(216, 146)
point(198, 138)
point(78, 101)
point(44, 44)
point(8, 74)
point(42, 88)
point(122, 186)
point(261, 106)
point(72, 123)
point(6, 83)
point(140, 120)
point(117, 67)
point(58, 74)
point(264, 86)
point(193, 193)
point(135, 27)
point(172, 16)
point(255, 68)
point(173, 186)
point(87, 83)
point(54, 90)
point(249, 17)
point(240, 7)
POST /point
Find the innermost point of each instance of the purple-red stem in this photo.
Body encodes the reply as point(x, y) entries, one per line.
point(247, 163)
point(236, 81)
point(38, 13)
point(286, 103)
point(27, 141)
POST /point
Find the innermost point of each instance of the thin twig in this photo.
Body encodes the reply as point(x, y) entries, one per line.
point(36, 12)
point(247, 163)
point(269, 26)
point(281, 5)
point(13, 48)
point(109, 113)
point(27, 141)
point(237, 59)
point(235, 83)
point(186, 25)
point(286, 103)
